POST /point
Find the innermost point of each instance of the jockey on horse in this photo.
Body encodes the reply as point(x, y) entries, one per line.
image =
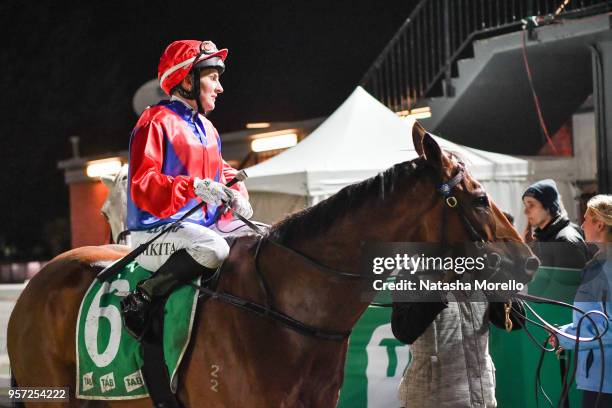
point(175, 161)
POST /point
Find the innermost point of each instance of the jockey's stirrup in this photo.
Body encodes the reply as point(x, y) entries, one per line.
point(138, 306)
point(136, 310)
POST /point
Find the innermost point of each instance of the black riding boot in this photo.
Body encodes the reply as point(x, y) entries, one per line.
point(137, 307)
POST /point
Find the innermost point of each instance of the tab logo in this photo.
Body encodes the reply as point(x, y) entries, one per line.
point(387, 358)
point(88, 381)
point(133, 381)
point(107, 382)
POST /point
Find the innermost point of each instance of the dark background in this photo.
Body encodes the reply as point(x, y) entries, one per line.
point(71, 68)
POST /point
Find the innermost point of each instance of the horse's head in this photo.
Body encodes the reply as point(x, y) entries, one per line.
point(462, 211)
point(114, 208)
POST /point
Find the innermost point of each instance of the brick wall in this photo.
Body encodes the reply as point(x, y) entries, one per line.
point(87, 225)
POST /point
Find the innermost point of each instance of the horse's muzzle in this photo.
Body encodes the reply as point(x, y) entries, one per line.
point(497, 262)
point(494, 261)
point(531, 265)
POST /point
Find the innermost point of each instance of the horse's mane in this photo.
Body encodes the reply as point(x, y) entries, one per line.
point(317, 219)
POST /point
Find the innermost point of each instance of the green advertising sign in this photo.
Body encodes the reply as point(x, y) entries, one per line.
point(375, 363)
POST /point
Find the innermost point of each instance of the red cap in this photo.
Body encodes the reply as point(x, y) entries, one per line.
point(180, 56)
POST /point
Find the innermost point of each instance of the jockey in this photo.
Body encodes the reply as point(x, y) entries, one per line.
point(175, 163)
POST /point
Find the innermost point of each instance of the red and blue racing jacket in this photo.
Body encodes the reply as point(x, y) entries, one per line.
point(168, 149)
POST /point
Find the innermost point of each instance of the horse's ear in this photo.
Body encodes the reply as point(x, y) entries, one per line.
point(432, 151)
point(109, 181)
point(418, 133)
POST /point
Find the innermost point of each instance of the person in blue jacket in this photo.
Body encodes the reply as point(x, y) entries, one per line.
point(594, 293)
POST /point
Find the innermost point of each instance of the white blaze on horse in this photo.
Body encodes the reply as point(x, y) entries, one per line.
point(114, 208)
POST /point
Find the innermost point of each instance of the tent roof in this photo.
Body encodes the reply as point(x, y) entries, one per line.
point(361, 138)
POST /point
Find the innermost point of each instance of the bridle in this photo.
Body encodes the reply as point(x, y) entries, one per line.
point(521, 299)
point(445, 190)
point(267, 310)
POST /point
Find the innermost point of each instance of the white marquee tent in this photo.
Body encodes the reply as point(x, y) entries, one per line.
point(361, 138)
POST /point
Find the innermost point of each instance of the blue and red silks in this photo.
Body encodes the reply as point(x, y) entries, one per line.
point(168, 149)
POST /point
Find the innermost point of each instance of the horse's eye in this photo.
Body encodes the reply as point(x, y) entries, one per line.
point(482, 201)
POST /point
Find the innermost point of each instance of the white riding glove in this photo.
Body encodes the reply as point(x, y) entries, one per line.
point(211, 192)
point(239, 204)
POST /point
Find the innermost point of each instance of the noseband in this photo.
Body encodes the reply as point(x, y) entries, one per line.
point(445, 190)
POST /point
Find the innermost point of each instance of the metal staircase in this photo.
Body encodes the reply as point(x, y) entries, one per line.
point(465, 60)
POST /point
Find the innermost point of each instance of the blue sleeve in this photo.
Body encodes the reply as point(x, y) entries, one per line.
point(587, 329)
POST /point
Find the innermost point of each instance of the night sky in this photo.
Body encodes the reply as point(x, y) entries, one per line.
point(71, 68)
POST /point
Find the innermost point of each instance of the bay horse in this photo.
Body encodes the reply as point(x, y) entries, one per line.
point(239, 359)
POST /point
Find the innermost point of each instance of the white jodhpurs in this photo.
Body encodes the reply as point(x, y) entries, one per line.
point(205, 246)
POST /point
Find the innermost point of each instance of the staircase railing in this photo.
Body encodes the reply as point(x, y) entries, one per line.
point(419, 60)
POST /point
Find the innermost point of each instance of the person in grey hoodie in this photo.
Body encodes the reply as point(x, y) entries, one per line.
point(449, 342)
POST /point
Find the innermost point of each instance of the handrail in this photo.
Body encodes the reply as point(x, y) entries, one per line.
point(418, 61)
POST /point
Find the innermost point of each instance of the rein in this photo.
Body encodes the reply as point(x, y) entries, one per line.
point(266, 310)
point(552, 330)
point(444, 189)
point(285, 320)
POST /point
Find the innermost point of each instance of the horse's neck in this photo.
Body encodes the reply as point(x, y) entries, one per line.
point(341, 246)
point(316, 297)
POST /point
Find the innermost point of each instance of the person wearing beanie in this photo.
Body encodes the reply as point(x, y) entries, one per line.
point(544, 212)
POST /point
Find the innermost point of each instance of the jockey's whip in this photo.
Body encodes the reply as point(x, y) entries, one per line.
point(121, 263)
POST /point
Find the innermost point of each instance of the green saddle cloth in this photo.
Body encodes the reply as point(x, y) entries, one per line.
point(108, 358)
